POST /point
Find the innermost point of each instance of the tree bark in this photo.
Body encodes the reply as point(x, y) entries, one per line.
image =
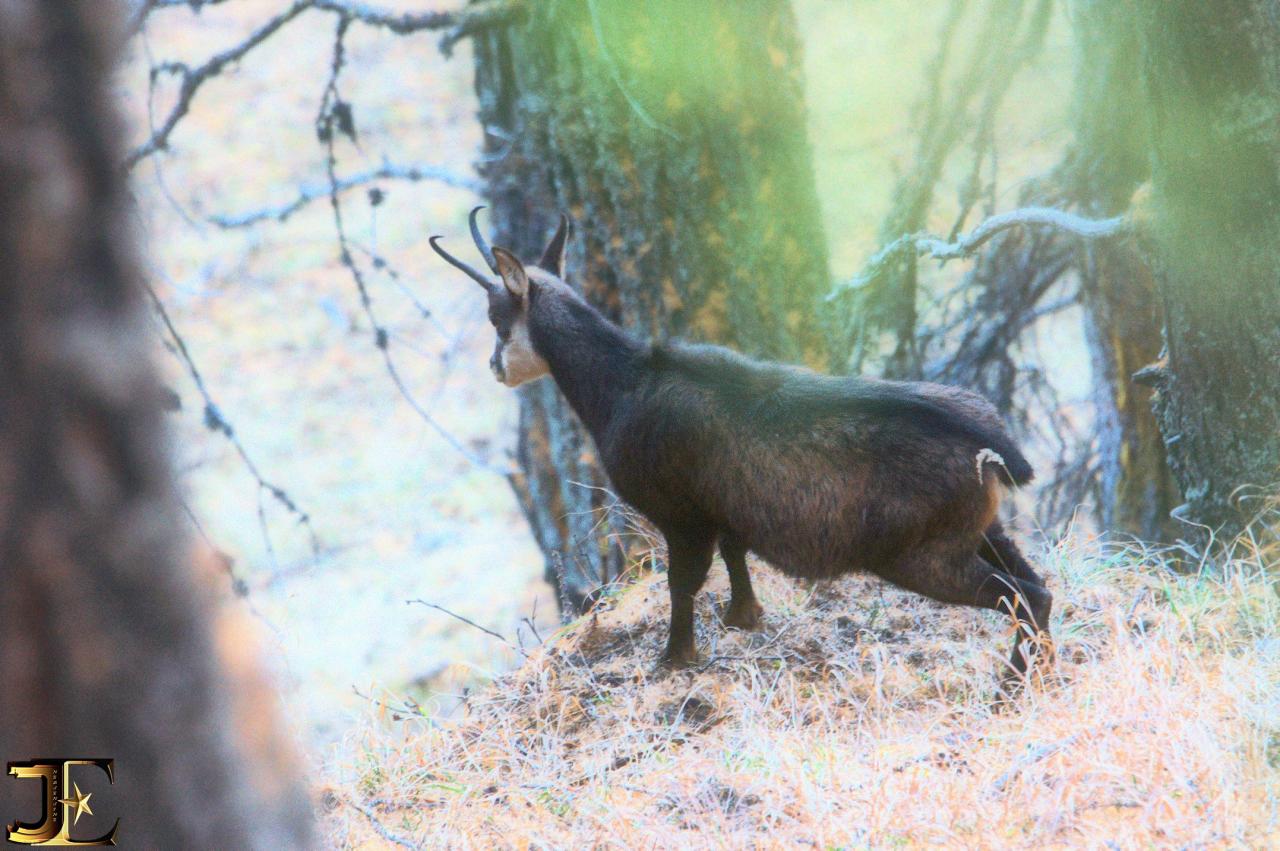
point(1212, 76)
point(673, 132)
point(1107, 162)
point(107, 645)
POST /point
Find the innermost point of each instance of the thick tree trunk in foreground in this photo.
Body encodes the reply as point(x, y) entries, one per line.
point(1107, 162)
point(1212, 75)
point(673, 132)
point(107, 647)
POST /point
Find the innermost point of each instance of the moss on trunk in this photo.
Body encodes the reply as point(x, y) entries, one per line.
point(673, 132)
point(1212, 75)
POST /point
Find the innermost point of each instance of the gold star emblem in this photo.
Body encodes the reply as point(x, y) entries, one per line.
point(80, 803)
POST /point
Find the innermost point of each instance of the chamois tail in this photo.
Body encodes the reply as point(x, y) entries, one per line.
point(994, 449)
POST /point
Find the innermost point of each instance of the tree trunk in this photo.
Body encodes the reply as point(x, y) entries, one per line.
point(673, 132)
point(1136, 491)
point(1212, 76)
point(1107, 163)
point(107, 647)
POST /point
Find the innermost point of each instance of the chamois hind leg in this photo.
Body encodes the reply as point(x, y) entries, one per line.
point(688, 561)
point(999, 551)
point(744, 610)
point(970, 581)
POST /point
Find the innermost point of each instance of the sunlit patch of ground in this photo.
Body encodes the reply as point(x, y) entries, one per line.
point(861, 716)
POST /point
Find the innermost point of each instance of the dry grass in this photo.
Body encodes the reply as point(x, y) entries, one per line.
point(861, 717)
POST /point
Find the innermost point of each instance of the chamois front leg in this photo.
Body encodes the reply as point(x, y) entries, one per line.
point(688, 561)
point(744, 611)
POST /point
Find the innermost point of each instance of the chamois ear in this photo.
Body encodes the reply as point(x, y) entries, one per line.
point(512, 271)
point(553, 256)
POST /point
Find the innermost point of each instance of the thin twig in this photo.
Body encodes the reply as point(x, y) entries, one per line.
point(214, 420)
point(378, 827)
point(924, 244)
point(534, 629)
point(315, 192)
point(410, 709)
point(469, 622)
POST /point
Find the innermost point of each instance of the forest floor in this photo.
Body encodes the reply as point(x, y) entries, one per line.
point(860, 716)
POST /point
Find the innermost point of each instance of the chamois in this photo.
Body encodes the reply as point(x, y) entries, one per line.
point(818, 475)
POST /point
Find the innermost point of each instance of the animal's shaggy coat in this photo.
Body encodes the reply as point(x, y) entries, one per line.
point(818, 475)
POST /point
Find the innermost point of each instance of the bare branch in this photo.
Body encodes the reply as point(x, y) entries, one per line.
point(923, 244)
point(401, 24)
point(328, 120)
point(215, 421)
point(194, 78)
point(318, 192)
point(472, 18)
point(461, 23)
point(1060, 219)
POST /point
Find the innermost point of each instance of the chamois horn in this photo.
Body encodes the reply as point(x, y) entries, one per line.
point(485, 250)
point(479, 277)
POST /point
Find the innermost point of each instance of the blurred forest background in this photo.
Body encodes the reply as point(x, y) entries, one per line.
point(345, 449)
point(273, 321)
point(1070, 206)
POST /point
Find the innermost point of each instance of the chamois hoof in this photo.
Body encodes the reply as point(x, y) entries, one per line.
point(1032, 660)
point(679, 660)
point(1008, 690)
point(748, 617)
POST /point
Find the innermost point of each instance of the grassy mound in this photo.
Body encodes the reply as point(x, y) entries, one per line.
point(860, 716)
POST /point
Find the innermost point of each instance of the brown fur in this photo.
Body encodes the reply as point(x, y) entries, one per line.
point(818, 475)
